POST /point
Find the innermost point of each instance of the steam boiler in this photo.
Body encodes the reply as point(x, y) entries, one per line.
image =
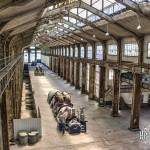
point(68, 119)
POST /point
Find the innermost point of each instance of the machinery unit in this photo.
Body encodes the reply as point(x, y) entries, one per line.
point(39, 71)
point(64, 112)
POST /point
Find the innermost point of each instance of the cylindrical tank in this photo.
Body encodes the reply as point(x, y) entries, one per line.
point(23, 138)
point(33, 137)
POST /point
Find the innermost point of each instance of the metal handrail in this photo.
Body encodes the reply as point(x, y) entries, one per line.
point(8, 70)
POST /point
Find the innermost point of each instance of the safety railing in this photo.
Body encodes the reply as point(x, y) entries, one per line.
point(7, 72)
point(6, 61)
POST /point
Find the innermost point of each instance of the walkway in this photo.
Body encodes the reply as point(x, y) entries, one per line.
point(103, 132)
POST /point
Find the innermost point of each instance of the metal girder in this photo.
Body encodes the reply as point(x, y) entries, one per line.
point(83, 5)
point(53, 39)
point(63, 39)
point(89, 23)
point(69, 30)
point(76, 35)
point(76, 27)
point(104, 16)
point(73, 38)
point(133, 6)
point(63, 8)
point(95, 11)
point(79, 28)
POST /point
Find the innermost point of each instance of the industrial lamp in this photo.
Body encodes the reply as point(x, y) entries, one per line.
point(139, 23)
point(107, 33)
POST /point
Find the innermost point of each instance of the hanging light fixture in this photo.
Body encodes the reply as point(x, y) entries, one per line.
point(139, 23)
point(107, 33)
point(81, 39)
point(94, 36)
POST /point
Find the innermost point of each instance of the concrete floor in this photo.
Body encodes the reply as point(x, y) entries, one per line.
point(103, 131)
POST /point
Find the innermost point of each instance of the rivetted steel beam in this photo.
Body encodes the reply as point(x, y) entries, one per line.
point(62, 38)
point(63, 8)
point(83, 5)
point(76, 27)
point(133, 6)
point(60, 34)
point(54, 39)
point(79, 28)
point(89, 23)
point(69, 30)
point(73, 38)
point(104, 16)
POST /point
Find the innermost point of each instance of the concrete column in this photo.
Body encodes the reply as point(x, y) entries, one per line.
point(4, 123)
point(92, 74)
point(92, 82)
point(102, 86)
point(136, 102)
point(68, 69)
point(84, 70)
point(64, 64)
point(1, 130)
point(35, 54)
point(116, 93)
point(102, 77)
point(29, 59)
point(72, 64)
point(50, 59)
point(84, 84)
point(61, 65)
point(140, 42)
point(77, 84)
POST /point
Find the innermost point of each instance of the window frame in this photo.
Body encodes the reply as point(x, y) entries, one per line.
point(111, 54)
point(88, 53)
point(148, 50)
point(101, 50)
point(131, 46)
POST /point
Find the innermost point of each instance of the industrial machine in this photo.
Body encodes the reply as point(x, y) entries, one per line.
point(33, 63)
point(67, 117)
point(38, 71)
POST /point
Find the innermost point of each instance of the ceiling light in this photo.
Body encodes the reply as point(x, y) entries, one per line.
point(107, 33)
point(94, 36)
point(139, 27)
point(139, 23)
point(81, 39)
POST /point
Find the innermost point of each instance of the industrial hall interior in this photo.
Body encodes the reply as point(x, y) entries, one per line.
point(74, 74)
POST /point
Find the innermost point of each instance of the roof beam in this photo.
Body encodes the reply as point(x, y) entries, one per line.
point(62, 9)
point(73, 38)
point(89, 35)
point(133, 6)
point(105, 17)
point(79, 28)
point(69, 30)
point(89, 23)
